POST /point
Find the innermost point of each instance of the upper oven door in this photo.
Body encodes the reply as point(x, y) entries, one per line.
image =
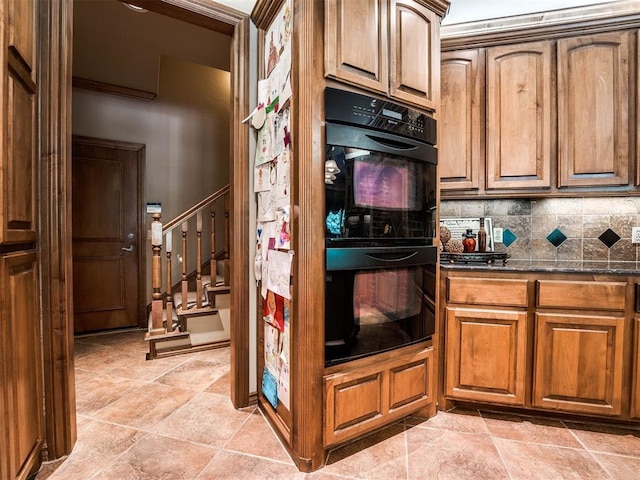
point(380, 189)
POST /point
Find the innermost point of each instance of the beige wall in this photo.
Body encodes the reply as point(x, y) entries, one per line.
point(185, 130)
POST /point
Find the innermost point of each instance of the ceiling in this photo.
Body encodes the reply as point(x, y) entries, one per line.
point(469, 10)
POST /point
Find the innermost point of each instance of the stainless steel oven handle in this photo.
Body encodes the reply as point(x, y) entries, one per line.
point(388, 258)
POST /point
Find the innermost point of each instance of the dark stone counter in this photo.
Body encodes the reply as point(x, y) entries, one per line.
point(610, 268)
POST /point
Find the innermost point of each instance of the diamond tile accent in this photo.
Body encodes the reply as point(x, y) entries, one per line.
point(609, 238)
point(556, 237)
point(508, 237)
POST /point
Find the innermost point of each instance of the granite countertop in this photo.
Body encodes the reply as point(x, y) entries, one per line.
point(622, 268)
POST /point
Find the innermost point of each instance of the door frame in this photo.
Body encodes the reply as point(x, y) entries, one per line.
point(55, 34)
point(140, 150)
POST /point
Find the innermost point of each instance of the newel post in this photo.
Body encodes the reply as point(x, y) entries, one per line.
point(156, 326)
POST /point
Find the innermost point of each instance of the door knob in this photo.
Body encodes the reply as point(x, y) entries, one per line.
point(127, 249)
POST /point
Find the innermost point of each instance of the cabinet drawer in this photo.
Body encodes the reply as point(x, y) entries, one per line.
point(582, 295)
point(487, 291)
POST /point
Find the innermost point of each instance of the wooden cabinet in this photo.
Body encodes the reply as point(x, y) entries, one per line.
point(21, 379)
point(21, 369)
point(578, 362)
point(540, 340)
point(560, 113)
point(461, 154)
point(359, 400)
point(635, 392)
point(519, 108)
point(486, 355)
point(390, 47)
point(593, 110)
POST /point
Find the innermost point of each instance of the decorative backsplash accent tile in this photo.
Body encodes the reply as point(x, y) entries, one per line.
point(609, 238)
point(595, 229)
point(508, 237)
point(556, 237)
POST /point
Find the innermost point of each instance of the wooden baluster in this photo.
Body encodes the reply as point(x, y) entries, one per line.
point(156, 276)
point(199, 293)
point(185, 286)
point(214, 266)
point(169, 247)
point(227, 268)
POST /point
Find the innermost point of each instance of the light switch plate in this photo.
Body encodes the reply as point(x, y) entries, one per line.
point(635, 235)
point(497, 234)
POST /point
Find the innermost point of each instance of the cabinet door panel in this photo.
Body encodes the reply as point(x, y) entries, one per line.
point(461, 143)
point(356, 42)
point(578, 363)
point(519, 103)
point(486, 355)
point(635, 393)
point(593, 110)
point(20, 329)
point(414, 54)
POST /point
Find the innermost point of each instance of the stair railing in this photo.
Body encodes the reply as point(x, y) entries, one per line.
point(162, 302)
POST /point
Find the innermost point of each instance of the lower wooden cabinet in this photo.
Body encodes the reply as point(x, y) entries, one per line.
point(21, 366)
point(362, 399)
point(579, 363)
point(635, 393)
point(486, 355)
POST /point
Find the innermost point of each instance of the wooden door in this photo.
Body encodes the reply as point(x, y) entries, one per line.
point(579, 363)
point(461, 143)
point(356, 42)
point(414, 54)
point(593, 110)
point(107, 234)
point(486, 355)
point(519, 103)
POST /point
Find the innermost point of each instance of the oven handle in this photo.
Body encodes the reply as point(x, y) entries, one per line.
point(391, 257)
point(395, 145)
point(363, 258)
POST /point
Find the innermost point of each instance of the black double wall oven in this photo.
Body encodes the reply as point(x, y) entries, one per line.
point(380, 222)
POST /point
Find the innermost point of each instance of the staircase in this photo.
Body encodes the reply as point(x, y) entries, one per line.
point(192, 314)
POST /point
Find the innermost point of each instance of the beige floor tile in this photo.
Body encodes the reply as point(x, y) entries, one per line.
point(233, 466)
point(255, 437)
point(530, 429)
point(158, 458)
point(207, 418)
point(146, 406)
point(221, 386)
point(457, 420)
point(448, 455)
point(379, 455)
point(99, 444)
point(95, 391)
point(194, 374)
point(619, 467)
point(607, 439)
point(528, 461)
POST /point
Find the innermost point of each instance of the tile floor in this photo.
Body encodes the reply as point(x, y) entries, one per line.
point(172, 419)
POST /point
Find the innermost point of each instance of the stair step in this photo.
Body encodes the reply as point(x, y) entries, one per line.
point(196, 312)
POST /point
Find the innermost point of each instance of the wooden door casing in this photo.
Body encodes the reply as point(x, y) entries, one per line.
point(107, 234)
point(461, 156)
point(579, 363)
point(593, 110)
point(519, 103)
point(635, 387)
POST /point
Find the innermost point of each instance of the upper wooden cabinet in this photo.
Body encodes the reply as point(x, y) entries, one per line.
point(593, 110)
point(391, 47)
point(560, 113)
point(519, 107)
point(461, 156)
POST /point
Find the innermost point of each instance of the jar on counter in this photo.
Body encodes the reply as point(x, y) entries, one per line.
point(469, 241)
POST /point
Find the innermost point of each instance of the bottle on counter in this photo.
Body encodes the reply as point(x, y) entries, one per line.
point(482, 237)
point(469, 241)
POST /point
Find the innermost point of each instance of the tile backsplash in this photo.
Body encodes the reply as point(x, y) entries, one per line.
point(559, 229)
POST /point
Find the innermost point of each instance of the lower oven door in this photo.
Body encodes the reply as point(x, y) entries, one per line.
point(373, 310)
